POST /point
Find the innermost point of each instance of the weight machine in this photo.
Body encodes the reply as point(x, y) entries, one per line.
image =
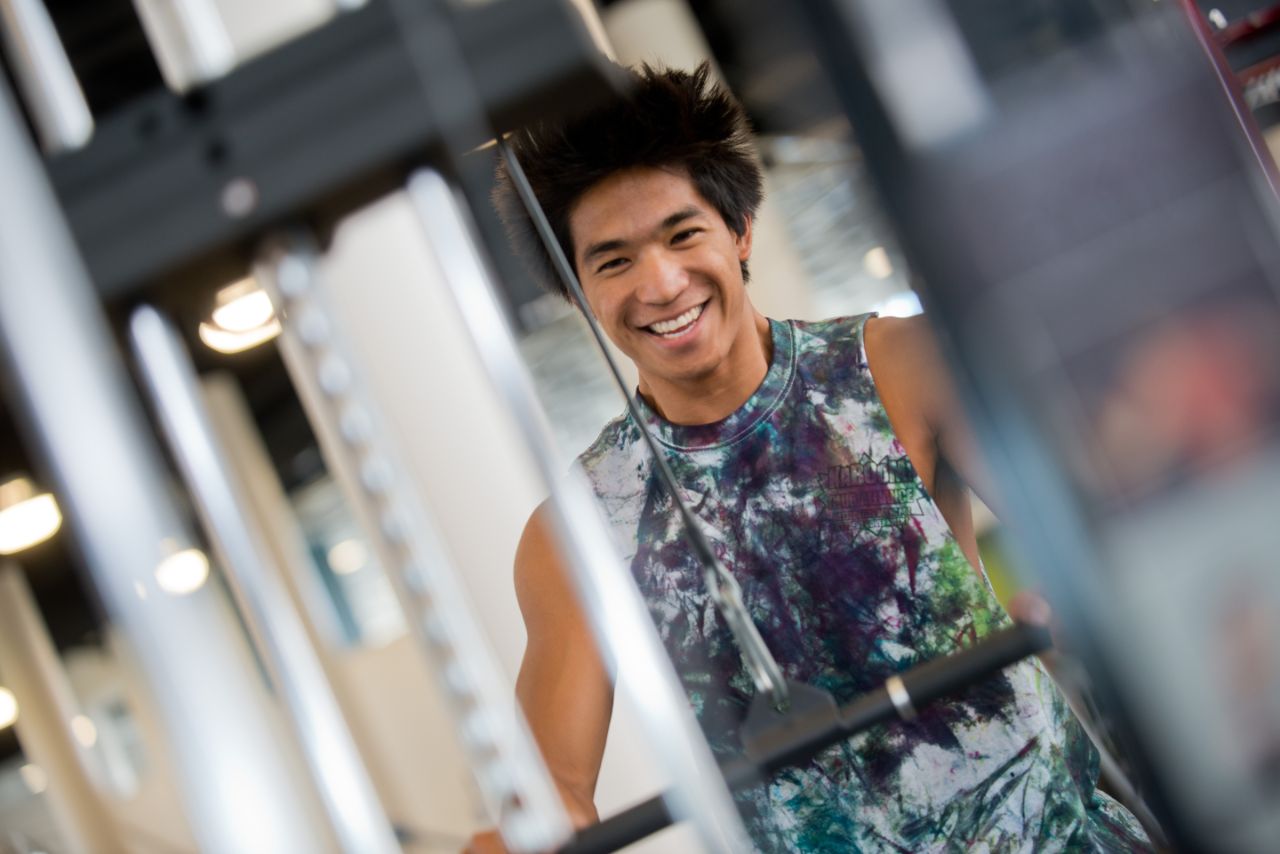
point(186, 189)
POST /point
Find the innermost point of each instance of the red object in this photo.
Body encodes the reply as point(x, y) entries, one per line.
point(1248, 26)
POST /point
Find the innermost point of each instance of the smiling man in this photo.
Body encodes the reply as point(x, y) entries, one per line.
point(829, 465)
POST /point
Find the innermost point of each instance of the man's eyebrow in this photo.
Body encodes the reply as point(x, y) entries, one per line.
point(606, 246)
point(679, 217)
point(601, 248)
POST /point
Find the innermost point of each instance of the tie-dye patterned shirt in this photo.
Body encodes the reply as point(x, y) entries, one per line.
point(852, 575)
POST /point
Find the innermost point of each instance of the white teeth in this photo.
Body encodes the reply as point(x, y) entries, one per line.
point(668, 327)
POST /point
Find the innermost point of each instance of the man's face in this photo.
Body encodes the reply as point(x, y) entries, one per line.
point(661, 271)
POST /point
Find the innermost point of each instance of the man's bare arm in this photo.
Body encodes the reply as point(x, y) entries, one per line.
point(916, 388)
point(563, 686)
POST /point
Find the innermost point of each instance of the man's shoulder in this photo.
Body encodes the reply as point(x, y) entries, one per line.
point(615, 435)
point(895, 333)
point(612, 462)
point(832, 336)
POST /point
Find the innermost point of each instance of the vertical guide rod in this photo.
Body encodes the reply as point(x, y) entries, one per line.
point(44, 74)
point(349, 798)
point(504, 759)
point(698, 793)
point(72, 395)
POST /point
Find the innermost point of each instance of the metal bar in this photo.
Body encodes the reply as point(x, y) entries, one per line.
point(74, 401)
point(33, 671)
point(189, 39)
point(159, 208)
point(357, 817)
point(618, 614)
point(53, 96)
point(505, 761)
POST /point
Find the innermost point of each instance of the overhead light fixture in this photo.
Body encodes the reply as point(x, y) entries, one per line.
point(237, 342)
point(27, 516)
point(183, 572)
point(8, 708)
point(247, 310)
point(242, 318)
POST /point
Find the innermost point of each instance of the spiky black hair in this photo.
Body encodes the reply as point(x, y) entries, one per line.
point(668, 118)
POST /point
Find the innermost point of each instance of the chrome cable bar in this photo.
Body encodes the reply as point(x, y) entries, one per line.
point(44, 74)
point(723, 587)
point(504, 759)
point(348, 794)
point(619, 616)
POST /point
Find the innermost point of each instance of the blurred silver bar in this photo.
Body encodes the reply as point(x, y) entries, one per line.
point(504, 759)
point(621, 621)
point(72, 394)
point(357, 817)
point(44, 74)
point(33, 671)
point(189, 40)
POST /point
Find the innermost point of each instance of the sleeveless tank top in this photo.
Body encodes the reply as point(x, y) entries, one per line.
point(852, 575)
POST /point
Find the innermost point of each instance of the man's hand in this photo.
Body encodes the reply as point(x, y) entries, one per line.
point(1029, 607)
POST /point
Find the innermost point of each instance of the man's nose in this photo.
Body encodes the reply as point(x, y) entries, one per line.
point(663, 278)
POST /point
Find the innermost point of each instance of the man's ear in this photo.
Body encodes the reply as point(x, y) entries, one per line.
point(744, 240)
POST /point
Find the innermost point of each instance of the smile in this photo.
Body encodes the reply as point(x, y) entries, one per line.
point(677, 326)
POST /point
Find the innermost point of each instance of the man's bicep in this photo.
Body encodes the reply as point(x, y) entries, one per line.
point(956, 442)
point(563, 686)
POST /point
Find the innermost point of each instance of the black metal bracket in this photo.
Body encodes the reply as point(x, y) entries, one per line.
point(181, 186)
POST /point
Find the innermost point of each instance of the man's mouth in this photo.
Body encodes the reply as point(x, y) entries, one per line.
point(677, 326)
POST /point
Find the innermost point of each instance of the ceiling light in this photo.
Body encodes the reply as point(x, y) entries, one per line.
point(84, 731)
point(235, 342)
point(243, 317)
point(347, 557)
point(183, 572)
point(247, 311)
point(27, 517)
point(35, 778)
point(877, 264)
point(8, 708)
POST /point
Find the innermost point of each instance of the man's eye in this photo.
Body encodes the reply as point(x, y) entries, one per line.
point(611, 264)
point(682, 236)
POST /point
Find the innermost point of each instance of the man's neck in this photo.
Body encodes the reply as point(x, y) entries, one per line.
point(709, 399)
